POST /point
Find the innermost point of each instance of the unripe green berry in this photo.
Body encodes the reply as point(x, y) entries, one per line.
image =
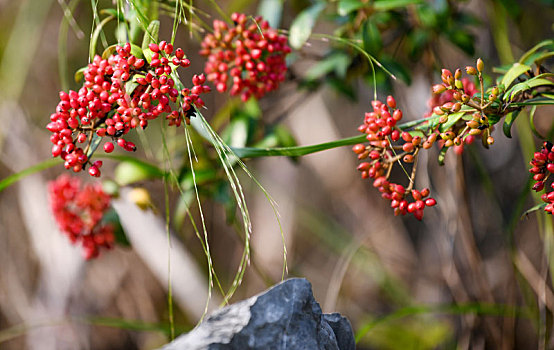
point(459, 84)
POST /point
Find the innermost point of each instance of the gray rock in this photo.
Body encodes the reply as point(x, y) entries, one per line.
point(285, 317)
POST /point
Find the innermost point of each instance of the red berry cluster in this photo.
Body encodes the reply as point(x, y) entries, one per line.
point(119, 94)
point(79, 212)
point(252, 55)
point(542, 166)
point(382, 153)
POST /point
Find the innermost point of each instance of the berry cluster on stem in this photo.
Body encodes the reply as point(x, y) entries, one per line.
point(462, 92)
point(79, 211)
point(389, 145)
point(251, 54)
point(121, 93)
point(542, 166)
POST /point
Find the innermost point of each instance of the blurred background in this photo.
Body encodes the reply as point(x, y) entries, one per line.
point(473, 274)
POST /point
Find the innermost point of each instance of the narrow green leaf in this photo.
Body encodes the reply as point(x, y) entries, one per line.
point(134, 170)
point(150, 36)
point(546, 99)
point(96, 34)
point(250, 152)
point(525, 57)
point(515, 71)
point(302, 26)
point(79, 74)
point(532, 123)
point(344, 7)
point(533, 209)
point(526, 85)
point(10, 180)
point(508, 122)
point(96, 140)
point(539, 57)
point(135, 51)
point(114, 13)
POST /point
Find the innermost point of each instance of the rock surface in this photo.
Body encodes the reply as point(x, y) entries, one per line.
point(285, 317)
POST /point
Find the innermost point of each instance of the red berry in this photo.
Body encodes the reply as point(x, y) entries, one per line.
point(430, 202)
point(108, 147)
point(391, 102)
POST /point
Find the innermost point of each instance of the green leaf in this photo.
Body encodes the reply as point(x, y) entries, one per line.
point(94, 145)
point(10, 180)
point(527, 85)
point(386, 5)
point(535, 208)
point(539, 57)
point(532, 123)
point(544, 100)
point(452, 119)
point(525, 57)
point(251, 152)
point(515, 71)
point(114, 13)
point(96, 34)
point(371, 38)
point(133, 170)
point(508, 122)
point(150, 36)
point(337, 62)
point(135, 51)
point(346, 6)
point(131, 85)
point(79, 74)
point(302, 26)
